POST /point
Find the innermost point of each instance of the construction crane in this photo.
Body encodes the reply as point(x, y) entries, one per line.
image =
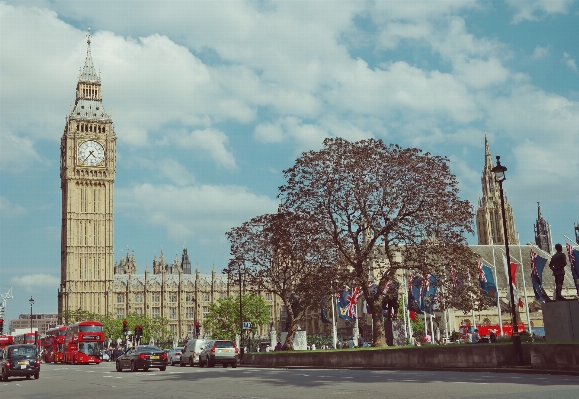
point(5, 297)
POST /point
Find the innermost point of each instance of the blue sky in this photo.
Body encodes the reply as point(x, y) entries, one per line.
point(212, 100)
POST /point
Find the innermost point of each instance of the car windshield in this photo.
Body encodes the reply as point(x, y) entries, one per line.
point(23, 351)
point(224, 344)
point(148, 349)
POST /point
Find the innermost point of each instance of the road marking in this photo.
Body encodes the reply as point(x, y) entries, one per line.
point(107, 376)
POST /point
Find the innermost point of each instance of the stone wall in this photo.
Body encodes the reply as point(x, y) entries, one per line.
point(537, 356)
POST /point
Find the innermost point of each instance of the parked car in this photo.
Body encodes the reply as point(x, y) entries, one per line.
point(190, 353)
point(20, 361)
point(219, 352)
point(142, 357)
point(174, 356)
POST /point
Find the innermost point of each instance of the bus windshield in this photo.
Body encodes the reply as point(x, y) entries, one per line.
point(91, 348)
point(91, 328)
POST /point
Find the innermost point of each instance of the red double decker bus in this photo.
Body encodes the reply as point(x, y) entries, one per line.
point(27, 338)
point(53, 345)
point(84, 342)
point(6, 340)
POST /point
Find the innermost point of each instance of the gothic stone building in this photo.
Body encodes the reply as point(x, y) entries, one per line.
point(173, 292)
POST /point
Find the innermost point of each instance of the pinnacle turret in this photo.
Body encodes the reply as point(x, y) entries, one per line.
point(88, 73)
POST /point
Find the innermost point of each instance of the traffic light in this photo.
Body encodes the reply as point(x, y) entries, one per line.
point(136, 331)
point(140, 332)
point(125, 329)
point(1, 326)
point(197, 329)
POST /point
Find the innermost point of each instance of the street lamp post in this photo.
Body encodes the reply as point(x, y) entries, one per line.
point(31, 303)
point(241, 347)
point(499, 172)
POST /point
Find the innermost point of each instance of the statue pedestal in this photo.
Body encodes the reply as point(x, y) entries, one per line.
point(561, 320)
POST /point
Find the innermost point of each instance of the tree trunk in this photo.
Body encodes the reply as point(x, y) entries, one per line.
point(291, 332)
point(379, 334)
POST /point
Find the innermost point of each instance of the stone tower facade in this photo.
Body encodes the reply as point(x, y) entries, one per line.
point(489, 219)
point(543, 232)
point(87, 175)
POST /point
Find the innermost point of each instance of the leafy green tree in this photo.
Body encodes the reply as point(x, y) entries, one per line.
point(222, 321)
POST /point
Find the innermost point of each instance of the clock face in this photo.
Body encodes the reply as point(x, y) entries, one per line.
point(91, 153)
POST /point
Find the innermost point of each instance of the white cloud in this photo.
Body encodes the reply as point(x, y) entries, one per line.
point(570, 62)
point(269, 133)
point(212, 142)
point(534, 10)
point(192, 212)
point(17, 154)
point(10, 210)
point(540, 52)
point(33, 282)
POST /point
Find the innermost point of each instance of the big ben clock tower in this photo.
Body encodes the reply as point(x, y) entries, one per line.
point(87, 175)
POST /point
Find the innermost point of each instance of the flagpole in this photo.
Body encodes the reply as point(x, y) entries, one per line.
point(425, 326)
point(431, 330)
point(405, 307)
point(524, 285)
point(498, 296)
point(334, 327)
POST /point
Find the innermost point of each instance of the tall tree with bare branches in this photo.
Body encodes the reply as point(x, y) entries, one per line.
point(280, 253)
point(384, 209)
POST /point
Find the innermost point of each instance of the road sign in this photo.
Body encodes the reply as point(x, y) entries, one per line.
point(246, 325)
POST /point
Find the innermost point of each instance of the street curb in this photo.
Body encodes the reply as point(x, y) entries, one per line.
point(506, 370)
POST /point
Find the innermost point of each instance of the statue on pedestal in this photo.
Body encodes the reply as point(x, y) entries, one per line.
point(557, 265)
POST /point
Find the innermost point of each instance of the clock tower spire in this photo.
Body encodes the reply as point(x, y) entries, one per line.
point(87, 175)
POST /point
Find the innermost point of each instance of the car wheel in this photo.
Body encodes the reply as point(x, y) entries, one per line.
point(36, 376)
point(119, 368)
point(133, 368)
point(162, 368)
point(191, 362)
point(28, 376)
point(234, 365)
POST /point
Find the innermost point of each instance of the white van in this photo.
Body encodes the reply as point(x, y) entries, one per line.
point(190, 354)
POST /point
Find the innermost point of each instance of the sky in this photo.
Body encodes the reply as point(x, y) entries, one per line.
point(212, 100)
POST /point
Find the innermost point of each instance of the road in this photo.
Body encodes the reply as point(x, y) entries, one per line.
point(102, 381)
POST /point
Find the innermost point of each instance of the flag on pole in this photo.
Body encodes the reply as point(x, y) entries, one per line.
point(537, 265)
point(429, 293)
point(513, 271)
point(347, 304)
point(574, 262)
point(486, 282)
point(415, 294)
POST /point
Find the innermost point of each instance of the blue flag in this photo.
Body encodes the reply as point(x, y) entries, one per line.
point(429, 293)
point(415, 294)
point(537, 265)
point(574, 263)
point(486, 282)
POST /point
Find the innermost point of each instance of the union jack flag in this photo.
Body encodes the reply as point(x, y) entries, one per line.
point(347, 304)
point(481, 273)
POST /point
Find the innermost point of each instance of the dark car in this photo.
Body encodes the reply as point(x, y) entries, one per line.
point(20, 361)
point(142, 357)
point(219, 352)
